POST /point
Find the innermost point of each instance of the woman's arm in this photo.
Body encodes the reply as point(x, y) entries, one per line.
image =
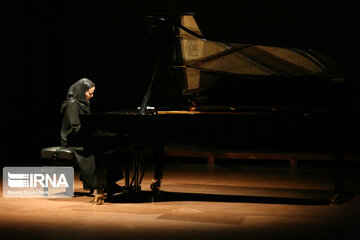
point(73, 112)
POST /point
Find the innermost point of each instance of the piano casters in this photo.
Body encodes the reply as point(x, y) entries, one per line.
point(155, 185)
point(98, 197)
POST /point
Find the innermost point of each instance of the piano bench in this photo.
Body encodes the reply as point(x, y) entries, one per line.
point(56, 154)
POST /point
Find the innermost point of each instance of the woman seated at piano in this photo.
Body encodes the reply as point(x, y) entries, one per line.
point(94, 164)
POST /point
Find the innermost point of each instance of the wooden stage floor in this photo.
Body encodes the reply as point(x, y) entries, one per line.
point(227, 201)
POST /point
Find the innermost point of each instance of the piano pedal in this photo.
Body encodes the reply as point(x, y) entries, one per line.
point(155, 185)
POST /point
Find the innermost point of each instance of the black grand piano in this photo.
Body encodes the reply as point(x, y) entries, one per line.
point(238, 96)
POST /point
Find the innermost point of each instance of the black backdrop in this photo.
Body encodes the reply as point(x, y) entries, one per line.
point(48, 45)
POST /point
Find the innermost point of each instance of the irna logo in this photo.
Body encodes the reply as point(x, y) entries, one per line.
point(38, 182)
point(24, 180)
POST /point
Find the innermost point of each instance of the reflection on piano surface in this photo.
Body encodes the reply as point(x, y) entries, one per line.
point(239, 96)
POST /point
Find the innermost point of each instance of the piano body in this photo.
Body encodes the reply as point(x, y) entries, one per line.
point(238, 96)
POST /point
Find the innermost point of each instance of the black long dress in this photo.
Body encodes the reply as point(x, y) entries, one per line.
point(94, 164)
point(85, 159)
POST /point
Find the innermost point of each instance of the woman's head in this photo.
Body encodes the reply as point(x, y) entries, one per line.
point(82, 90)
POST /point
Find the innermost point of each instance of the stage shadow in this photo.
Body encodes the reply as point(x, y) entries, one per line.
point(82, 194)
point(163, 196)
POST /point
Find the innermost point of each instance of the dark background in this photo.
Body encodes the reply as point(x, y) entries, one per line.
point(48, 45)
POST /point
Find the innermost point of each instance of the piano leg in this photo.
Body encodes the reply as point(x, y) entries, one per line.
point(340, 147)
point(339, 159)
point(127, 176)
point(136, 175)
point(158, 158)
point(158, 153)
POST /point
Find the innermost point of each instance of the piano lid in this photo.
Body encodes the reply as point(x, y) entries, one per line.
point(207, 66)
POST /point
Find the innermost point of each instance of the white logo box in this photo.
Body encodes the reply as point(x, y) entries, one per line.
point(38, 182)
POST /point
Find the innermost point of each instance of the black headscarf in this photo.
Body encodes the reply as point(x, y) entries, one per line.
point(77, 93)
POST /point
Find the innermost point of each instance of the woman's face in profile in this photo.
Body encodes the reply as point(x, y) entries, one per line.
point(90, 93)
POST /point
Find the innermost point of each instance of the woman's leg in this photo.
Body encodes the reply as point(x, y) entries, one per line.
point(87, 167)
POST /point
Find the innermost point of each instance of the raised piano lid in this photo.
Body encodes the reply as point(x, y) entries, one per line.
point(218, 73)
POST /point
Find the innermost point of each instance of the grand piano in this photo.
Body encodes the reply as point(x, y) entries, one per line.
point(236, 96)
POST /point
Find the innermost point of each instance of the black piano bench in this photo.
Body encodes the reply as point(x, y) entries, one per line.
point(59, 155)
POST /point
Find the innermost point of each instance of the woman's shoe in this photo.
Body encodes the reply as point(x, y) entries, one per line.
point(99, 197)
